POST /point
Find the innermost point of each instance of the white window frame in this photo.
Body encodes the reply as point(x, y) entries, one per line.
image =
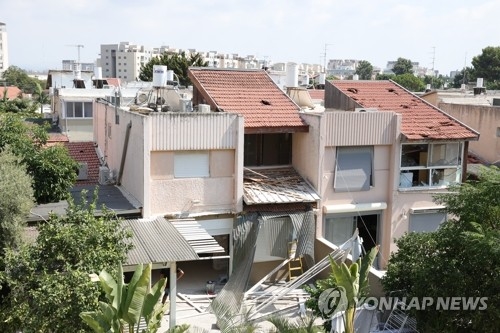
point(357, 154)
point(86, 109)
point(192, 164)
point(432, 172)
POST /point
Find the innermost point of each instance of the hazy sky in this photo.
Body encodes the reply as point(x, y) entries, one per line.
point(41, 32)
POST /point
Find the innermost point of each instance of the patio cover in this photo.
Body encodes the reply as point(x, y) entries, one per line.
point(162, 241)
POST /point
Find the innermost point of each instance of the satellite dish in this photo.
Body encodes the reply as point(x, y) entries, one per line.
point(142, 98)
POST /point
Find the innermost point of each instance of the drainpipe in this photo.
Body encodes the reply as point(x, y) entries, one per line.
point(173, 294)
point(124, 154)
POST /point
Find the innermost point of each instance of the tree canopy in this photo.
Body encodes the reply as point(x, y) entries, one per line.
point(16, 199)
point(178, 62)
point(364, 70)
point(461, 259)
point(487, 66)
point(48, 280)
point(402, 66)
point(15, 76)
point(410, 82)
point(465, 76)
point(52, 168)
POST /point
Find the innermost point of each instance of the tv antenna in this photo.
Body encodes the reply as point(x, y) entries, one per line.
point(79, 46)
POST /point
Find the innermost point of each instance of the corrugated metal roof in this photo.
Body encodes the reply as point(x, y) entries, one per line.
point(197, 237)
point(276, 185)
point(157, 241)
point(162, 240)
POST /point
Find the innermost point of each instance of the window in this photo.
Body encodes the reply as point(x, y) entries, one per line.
point(426, 221)
point(354, 169)
point(339, 228)
point(191, 164)
point(79, 110)
point(425, 165)
point(268, 149)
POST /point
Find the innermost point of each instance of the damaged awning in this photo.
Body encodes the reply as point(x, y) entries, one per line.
point(276, 185)
point(160, 241)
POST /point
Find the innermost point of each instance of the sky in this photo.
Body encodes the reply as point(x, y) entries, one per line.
point(440, 34)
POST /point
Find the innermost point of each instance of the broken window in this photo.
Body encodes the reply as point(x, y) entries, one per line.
point(424, 165)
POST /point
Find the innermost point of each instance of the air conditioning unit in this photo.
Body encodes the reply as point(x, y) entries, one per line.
point(365, 110)
point(83, 171)
point(104, 175)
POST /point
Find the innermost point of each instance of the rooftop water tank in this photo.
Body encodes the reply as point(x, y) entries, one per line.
point(97, 73)
point(292, 75)
point(159, 76)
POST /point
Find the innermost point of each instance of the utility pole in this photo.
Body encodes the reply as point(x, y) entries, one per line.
point(324, 56)
point(433, 57)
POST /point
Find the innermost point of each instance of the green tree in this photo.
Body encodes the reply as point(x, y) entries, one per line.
point(465, 76)
point(487, 66)
point(49, 279)
point(16, 200)
point(384, 76)
point(178, 62)
point(460, 259)
point(128, 303)
point(402, 66)
point(15, 76)
point(410, 82)
point(364, 70)
point(351, 281)
point(40, 97)
point(436, 82)
point(52, 168)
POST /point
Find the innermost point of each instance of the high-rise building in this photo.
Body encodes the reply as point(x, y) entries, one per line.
point(4, 49)
point(123, 60)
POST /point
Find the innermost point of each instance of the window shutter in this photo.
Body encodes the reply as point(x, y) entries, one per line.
point(426, 222)
point(354, 169)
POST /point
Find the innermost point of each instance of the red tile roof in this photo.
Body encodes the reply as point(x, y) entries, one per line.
point(56, 138)
point(421, 120)
point(251, 93)
point(13, 92)
point(85, 152)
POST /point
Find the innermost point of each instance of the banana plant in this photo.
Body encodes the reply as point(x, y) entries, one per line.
point(128, 303)
point(354, 281)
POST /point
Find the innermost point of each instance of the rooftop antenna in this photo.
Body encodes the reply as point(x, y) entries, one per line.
point(324, 57)
point(433, 57)
point(77, 68)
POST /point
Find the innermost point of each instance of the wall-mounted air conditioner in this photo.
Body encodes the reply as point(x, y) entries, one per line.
point(104, 175)
point(365, 110)
point(83, 171)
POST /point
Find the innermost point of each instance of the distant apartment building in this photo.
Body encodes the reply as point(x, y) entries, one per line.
point(4, 49)
point(341, 68)
point(417, 69)
point(71, 65)
point(124, 60)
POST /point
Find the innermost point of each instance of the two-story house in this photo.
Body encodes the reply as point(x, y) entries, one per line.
point(386, 153)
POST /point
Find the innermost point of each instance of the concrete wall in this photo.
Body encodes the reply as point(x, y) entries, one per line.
point(110, 130)
point(485, 120)
point(176, 196)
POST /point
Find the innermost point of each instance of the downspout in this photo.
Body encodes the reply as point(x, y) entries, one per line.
point(124, 154)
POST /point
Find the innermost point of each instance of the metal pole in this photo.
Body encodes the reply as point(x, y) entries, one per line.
point(173, 294)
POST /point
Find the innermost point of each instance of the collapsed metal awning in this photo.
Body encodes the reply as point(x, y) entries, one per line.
point(281, 185)
point(197, 237)
point(162, 241)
